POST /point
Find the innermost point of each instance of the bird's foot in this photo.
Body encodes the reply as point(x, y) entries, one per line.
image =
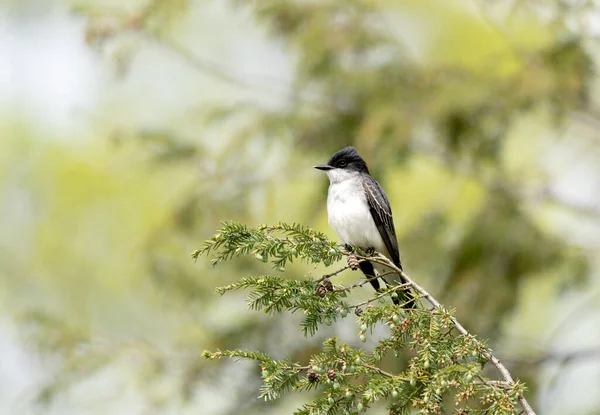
point(370, 251)
point(353, 262)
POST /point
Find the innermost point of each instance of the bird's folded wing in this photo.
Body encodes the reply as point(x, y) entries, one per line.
point(382, 215)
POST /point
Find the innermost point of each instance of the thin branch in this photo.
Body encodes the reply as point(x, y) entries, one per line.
point(363, 282)
point(498, 383)
point(378, 370)
point(332, 274)
point(385, 293)
point(381, 259)
point(384, 373)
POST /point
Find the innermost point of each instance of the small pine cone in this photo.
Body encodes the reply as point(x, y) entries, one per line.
point(327, 284)
point(353, 262)
point(358, 311)
point(320, 290)
point(331, 374)
point(312, 376)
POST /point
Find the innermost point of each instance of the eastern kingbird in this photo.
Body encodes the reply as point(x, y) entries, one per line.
point(359, 212)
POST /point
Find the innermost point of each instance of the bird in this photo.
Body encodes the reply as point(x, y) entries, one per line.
point(359, 212)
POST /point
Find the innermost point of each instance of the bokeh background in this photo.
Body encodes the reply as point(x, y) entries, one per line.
point(130, 129)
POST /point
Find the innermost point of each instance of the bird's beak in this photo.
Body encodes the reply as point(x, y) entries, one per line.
point(324, 167)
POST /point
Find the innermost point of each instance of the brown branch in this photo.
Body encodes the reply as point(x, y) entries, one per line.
point(378, 370)
point(334, 273)
point(385, 293)
point(381, 259)
point(384, 373)
point(363, 282)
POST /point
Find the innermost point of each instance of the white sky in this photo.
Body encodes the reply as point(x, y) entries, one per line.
point(47, 72)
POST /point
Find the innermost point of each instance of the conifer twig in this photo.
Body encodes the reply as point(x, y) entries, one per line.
point(381, 259)
point(383, 294)
point(456, 363)
point(332, 274)
point(358, 284)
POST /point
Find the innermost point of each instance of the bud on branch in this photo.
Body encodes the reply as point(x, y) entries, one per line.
point(446, 361)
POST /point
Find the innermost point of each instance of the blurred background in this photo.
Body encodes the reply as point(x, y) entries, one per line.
point(131, 129)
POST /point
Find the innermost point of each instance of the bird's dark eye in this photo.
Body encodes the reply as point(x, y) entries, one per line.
point(343, 163)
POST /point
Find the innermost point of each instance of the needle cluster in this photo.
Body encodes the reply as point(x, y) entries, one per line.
point(445, 370)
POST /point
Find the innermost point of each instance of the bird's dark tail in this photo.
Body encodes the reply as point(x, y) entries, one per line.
point(367, 268)
point(404, 296)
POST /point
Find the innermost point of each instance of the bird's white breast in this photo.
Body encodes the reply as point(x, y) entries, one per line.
point(349, 214)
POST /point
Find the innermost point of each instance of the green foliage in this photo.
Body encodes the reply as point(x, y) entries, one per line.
point(444, 372)
point(462, 97)
point(372, 92)
point(274, 294)
point(234, 239)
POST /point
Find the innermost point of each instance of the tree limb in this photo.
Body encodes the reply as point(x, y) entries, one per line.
point(379, 258)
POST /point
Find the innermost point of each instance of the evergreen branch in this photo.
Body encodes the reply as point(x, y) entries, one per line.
point(241, 354)
point(382, 372)
point(365, 281)
point(262, 242)
point(359, 284)
point(446, 359)
point(486, 352)
point(384, 293)
point(333, 273)
point(275, 293)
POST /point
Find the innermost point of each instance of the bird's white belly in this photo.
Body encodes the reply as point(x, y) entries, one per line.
point(350, 217)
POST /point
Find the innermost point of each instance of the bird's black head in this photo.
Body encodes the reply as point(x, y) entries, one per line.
point(345, 159)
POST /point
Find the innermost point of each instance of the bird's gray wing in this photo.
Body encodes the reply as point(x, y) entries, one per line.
point(382, 215)
point(381, 212)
